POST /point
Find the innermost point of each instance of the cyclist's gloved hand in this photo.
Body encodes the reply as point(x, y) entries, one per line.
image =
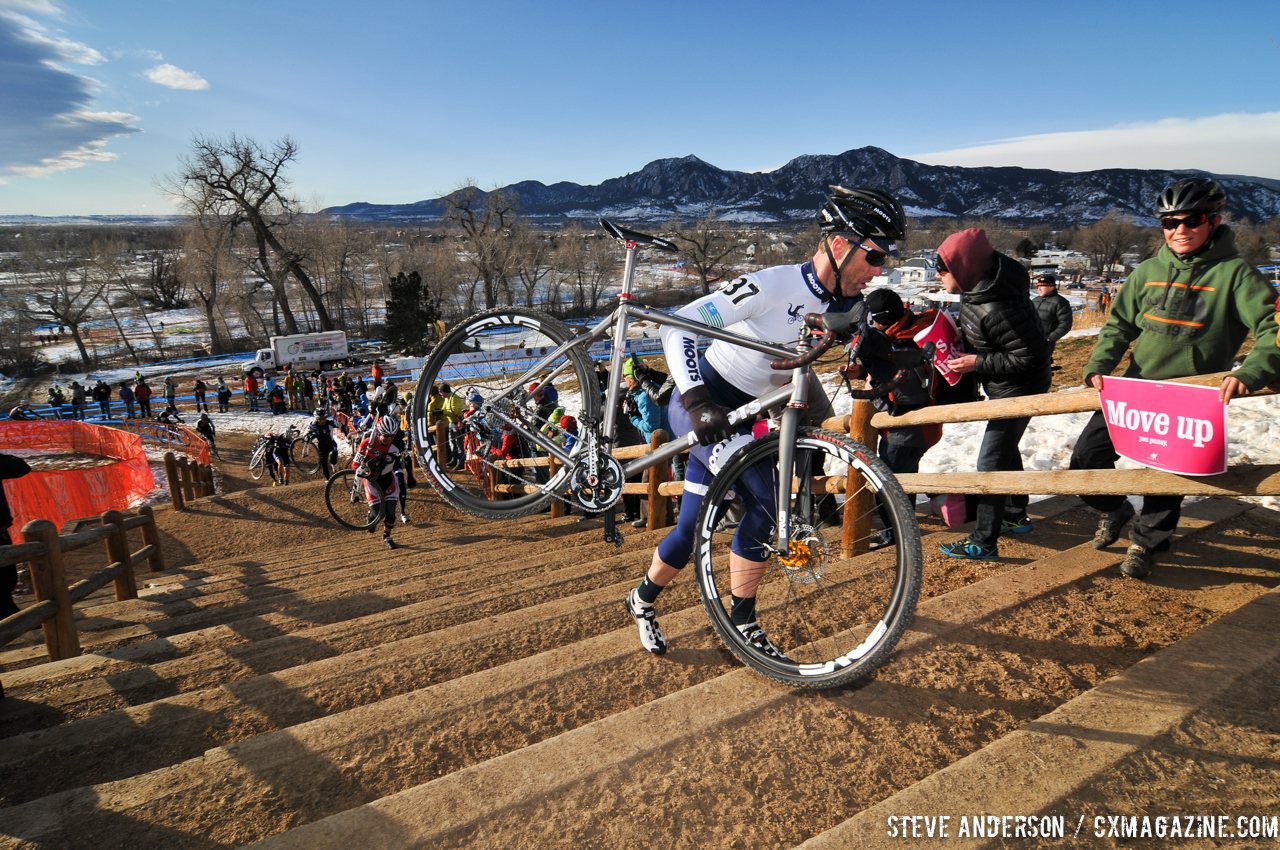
point(710, 420)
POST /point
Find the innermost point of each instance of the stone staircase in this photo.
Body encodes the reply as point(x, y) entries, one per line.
point(482, 686)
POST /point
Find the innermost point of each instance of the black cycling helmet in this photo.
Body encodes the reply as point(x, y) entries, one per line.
point(1195, 194)
point(868, 212)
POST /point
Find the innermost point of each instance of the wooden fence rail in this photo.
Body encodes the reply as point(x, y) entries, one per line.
point(864, 423)
point(43, 549)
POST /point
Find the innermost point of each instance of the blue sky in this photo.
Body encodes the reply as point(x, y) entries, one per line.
point(393, 102)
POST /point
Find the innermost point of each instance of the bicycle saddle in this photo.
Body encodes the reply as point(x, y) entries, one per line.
point(624, 234)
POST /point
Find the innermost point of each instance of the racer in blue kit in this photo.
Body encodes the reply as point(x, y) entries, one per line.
point(860, 229)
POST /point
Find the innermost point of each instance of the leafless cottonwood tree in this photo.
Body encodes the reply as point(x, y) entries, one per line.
point(705, 246)
point(240, 180)
point(486, 221)
point(1107, 240)
point(589, 263)
point(207, 263)
point(65, 293)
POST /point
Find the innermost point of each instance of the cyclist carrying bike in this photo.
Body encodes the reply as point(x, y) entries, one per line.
point(321, 428)
point(860, 228)
point(375, 460)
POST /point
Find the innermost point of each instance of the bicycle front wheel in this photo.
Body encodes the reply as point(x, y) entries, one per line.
point(258, 464)
point(344, 496)
point(498, 354)
point(830, 618)
point(305, 456)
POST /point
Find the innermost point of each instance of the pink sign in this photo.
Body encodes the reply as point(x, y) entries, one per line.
point(1175, 427)
point(945, 336)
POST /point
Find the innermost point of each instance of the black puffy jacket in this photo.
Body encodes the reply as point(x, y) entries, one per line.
point(998, 323)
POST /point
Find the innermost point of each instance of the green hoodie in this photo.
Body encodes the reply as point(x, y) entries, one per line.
point(1189, 316)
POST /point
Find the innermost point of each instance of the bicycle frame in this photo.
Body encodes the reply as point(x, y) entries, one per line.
point(795, 394)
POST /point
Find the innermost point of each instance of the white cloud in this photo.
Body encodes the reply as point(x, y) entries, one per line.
point(171, 76)
point(1233, 143)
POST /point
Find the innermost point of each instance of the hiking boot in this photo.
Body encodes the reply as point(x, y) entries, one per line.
point(647, 622)
point(759, 641)
point(1137, 561)
point(968, 550)
point(1111, 524)
point(1022, 525)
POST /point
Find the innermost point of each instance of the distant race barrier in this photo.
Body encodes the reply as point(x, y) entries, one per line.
point(59, 495)
point(43, 548)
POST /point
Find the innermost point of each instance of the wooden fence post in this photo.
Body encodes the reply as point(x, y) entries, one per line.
point(858, 503)
point(184, 473)
point(49, 578)
point(175, 481)
point(442, 442)
point(557, 506)
point(117, 546)
point(658, 475)
point(150, 537)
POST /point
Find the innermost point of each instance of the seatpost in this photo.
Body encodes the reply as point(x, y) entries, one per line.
point(619, 344)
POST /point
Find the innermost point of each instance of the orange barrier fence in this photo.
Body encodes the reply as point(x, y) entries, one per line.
point(62, 494)
point(176, 437)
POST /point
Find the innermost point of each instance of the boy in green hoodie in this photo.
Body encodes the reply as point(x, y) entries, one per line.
point(1186, 311)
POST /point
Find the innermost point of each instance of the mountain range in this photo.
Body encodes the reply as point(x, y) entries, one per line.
point(690, 188)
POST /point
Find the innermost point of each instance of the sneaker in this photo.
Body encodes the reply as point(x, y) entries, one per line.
point(1111, 524)
point(647, 621)
point(1022, 525)
point(880, 539)
point(967, 549)
point(754, 635)
point(404, 518)
point(388, 542)
point(1137, 561)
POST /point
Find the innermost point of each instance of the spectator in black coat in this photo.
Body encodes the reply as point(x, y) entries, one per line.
point(1007, 352)
point(1053, 311)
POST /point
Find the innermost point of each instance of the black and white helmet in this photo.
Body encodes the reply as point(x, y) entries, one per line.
point(1195, 194)
point(868, 212)
point(386, 426)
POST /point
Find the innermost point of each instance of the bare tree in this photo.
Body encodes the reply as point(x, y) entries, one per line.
point(533, 251)
point(240, 180)
point(589, 262)
point(704, 246)
point(206, 263)
point(486, 221)
point(63, 292)
point(1107, 240)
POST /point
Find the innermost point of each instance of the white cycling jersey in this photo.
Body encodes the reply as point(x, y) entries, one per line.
point(768, 305)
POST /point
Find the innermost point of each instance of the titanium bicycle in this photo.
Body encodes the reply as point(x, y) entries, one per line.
point(836, 617)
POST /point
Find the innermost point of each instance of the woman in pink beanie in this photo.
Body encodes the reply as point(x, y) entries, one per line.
point(1009, 354)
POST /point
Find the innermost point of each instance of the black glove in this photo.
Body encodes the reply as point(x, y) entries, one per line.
point(710, 420)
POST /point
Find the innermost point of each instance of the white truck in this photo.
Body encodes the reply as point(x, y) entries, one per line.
point(302, 351)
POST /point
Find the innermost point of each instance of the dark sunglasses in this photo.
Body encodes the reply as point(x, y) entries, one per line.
point(1191, 221)
point(874, 257)
point(941, 266)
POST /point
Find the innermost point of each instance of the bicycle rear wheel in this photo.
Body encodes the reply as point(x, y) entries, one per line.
point(494, 353)
point(258, 463)
point(344, 496)
point(305, 456)
point(834, 618)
